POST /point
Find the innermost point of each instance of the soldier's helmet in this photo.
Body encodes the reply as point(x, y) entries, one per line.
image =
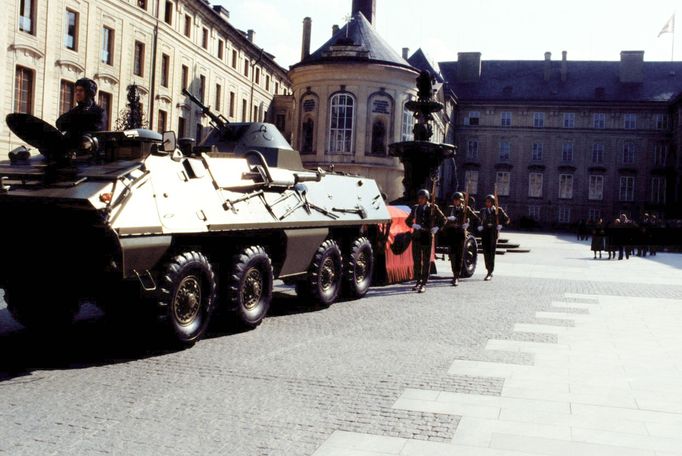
point(89, 85)
point(425, 193)
point(490, 198)
point(458, 196)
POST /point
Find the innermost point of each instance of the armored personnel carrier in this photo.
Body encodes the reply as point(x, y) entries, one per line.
point(128, 220)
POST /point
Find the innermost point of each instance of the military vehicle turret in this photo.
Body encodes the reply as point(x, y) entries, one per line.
point(131, 222)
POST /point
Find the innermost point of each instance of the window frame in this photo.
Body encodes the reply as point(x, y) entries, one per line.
point(626, 192)
point(31, 28)
point(506, 119)
point(333, 145)
point(473, 146)
point(630, 121)
point(503, 188)
point(538, 119)
point(139, 58)
point(537, 152)
point(67, 25)
point(501, 153)
point(107, 45)
point(532, 189)
point(565, 191)
point(567, 152)
point(471, 177)
point(569, 120)
point(629, 154)
point(595, 188)
point(19, 83)
point(66, 105)
point(599, 120)
point(165, 70)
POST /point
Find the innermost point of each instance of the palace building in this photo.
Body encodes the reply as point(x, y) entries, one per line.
point(162, 46)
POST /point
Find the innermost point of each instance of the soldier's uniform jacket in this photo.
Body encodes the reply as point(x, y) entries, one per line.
point(489, 220)
point(84, 118)
point(461, 217)
point(422, 215)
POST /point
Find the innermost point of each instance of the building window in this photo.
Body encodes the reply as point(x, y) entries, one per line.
point(505, 119)
point(182, 125)
point(538, 149)
point(188, 27)
point(308, 134)
point(534, 212)
point(599, 120)
point(628, 153)
point(566, 186)
point(218, 97)
point(505, 151)
point(107, 54)
point(630, 121)
point(535, 183)
point(596, 188)
point(567, 152)
point(472, 149)
point(165, 70)
point(256, 76)
point(473, 118)
point(23, 90)
point(564, 214)
point(660, 155)
point(235, 59)
point(138, 61)
point(168, 14)
point(71, 32)
point(204, 38)
point(245, 111)
point(627, 188)
point(202, 88)
point(406, 133)
point(378, 137)
point(254, 118)
point(471, 181)
point(502, 181)
point(67, 91)
point(267, 82)
point(27, 16)
point(104, 102)
point(221, 49)
point(593, 214)
point(280, 122)
point(341, 128)
point(163, 121)
point(598, 153)
point(185, 77)
point(661, 122)
point(233, 102)
point(538, 120)
point(569, 120)
point(246, 67)
point(658, 190)
point(276, 88)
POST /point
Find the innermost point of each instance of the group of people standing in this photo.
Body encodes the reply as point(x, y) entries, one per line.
point(622, 237)
point(426, 219)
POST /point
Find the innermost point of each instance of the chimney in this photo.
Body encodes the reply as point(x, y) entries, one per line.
point(307, 27)
point(468, 66)
point(564, 66)
point(406, 53)
point(367, 7)
point(548, 65)
point(250, 33)
point(631, 63)
point(335, 29)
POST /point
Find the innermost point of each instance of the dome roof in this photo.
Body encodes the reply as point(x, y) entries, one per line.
point(359, 42)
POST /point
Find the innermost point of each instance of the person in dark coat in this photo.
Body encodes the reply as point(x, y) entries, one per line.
point(458, 218)
point(85, 117)
point(492, 218)
point(598, 237)
point(425, 219)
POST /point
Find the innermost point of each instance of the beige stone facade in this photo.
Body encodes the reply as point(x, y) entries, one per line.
point(159, 45)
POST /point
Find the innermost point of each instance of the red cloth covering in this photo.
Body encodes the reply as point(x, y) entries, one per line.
point(399, 267)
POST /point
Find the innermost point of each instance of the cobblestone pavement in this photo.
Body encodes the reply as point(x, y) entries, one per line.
point(308, 377)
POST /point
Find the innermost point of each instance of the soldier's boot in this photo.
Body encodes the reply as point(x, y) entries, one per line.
point(455, 281)
point(422, 288)
point(489, 277)
point(416, 286)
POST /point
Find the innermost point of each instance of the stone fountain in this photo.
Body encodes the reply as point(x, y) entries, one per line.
point(421, 158)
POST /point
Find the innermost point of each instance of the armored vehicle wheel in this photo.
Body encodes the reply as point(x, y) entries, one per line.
point(358, 268)
point(470, 257)
point(186, 296)
point(249, 286)
point(325, 275)
point(41, 309)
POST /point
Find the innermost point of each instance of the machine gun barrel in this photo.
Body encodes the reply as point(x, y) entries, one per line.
point(218, 120)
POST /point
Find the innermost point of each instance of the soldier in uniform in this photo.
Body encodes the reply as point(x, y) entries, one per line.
point(425, 219)
point(455, 230)
point(86, 116)
point(492, 218)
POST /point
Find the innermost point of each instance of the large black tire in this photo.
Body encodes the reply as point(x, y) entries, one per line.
point(325, 275)
point(41, 309)
point(358, 268)
point(186, 296)
point(470, 257)
point(249, 286)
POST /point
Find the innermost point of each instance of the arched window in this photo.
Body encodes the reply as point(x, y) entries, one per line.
point(408, 125)
point(341, 126)
point(378, 138)
point(307, 136)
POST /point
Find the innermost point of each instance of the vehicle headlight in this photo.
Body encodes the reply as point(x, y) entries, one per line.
point(89, 144)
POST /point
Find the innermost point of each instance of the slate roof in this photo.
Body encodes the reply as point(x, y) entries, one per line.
point(587, 81)
point(362, 35)
point(420, 61)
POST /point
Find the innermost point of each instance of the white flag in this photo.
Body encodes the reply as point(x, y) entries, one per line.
point(669, 26)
